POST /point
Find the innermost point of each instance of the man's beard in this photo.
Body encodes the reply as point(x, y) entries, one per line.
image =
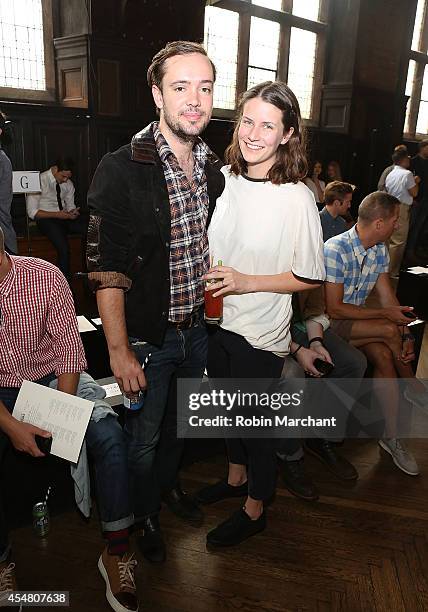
point(179, 132)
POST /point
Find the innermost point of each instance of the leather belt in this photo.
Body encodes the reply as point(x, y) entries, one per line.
point(191, 321)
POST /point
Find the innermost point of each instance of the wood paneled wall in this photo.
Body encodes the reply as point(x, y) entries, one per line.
point(103, 48)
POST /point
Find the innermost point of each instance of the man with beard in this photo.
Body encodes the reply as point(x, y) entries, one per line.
point(150, 204)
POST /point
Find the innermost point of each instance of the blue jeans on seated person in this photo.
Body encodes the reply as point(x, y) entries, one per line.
point(57, 231)
point(106, 442)
point(154, 450)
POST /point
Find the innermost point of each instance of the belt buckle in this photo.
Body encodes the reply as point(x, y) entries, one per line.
point(190, 322)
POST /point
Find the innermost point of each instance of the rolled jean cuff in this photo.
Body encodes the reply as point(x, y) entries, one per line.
point(122, 523)
point(4, 555)
point(143, 517)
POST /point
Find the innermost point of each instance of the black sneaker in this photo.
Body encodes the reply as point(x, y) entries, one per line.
point(325, 452)
point(151, 543)
point(236, 529)
point(297, 481)
point(221, 490)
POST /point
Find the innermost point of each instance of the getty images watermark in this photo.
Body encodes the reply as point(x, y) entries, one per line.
point(296, 407)
point(232, 402)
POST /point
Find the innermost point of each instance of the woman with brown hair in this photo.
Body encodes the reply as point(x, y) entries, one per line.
point(315, 184)
point(334, 172)
point(266, 229)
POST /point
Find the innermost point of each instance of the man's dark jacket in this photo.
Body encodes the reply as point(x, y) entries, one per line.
point(130, 231)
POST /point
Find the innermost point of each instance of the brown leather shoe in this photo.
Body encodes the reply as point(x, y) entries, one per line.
point(118, 574)
point(8, 584)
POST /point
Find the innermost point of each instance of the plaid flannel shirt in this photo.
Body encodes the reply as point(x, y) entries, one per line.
point(189, 255)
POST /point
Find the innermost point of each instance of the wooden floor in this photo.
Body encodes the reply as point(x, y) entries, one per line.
point(358, 548)
point(362, 547)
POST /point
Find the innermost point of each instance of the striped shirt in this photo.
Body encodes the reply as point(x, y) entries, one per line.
point(38, 325)
point(347, 262)
point(189, 255)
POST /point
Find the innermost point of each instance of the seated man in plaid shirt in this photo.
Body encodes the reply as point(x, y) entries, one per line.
point(357, 261)
point(40, 341)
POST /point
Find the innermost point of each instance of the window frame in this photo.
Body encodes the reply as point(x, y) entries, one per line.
point(421, 60)
point(286, 20)
point(39, 95)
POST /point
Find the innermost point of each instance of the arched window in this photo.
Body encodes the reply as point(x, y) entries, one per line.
point(416, 123)
point(251, 41)
point(26, 50)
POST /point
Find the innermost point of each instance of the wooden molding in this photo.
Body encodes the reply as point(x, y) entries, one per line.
point(72, 72)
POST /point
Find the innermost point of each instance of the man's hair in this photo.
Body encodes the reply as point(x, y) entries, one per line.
point(400, 155)
point(156, 70)
point(400, 147)
point(1, 241)
point(377, 205)
point(422, 144)
point(5, 136)
point(336, 190)
point(64, 163)
point(291, 163)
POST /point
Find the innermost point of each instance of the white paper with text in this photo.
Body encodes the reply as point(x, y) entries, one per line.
point(65, 416)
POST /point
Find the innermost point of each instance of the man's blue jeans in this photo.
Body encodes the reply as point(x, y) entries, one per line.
point(107, 444)
point(154, 450)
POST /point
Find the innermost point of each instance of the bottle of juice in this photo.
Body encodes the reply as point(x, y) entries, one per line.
point(213, 305)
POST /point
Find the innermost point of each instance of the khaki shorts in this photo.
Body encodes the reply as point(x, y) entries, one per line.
point(342, 327)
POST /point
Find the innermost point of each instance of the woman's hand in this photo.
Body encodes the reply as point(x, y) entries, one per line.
point(228, 281)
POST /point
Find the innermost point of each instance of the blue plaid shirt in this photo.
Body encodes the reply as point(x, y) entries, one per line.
point(347, 262)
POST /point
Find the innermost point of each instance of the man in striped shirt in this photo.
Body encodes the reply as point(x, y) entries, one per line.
point(40, 342)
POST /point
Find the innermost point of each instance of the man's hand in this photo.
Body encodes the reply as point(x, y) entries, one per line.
point(305, 358)
point(408, 351)
point(75, 212)
point(127, 371)
point(22, 437)
point(65, 215)
point(395, 314)
point(321, 350)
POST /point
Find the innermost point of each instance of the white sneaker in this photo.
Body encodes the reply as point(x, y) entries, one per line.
point(420, 400)
point(402, 457)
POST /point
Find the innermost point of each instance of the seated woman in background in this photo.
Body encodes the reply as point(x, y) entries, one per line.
point(314, 183)
point(334, 172)
point(267, 230)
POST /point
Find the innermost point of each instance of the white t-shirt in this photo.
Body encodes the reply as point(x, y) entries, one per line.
point(261, 228)
point(398, 182)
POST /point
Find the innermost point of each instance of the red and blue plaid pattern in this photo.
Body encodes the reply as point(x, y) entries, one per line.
point(189, 255)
